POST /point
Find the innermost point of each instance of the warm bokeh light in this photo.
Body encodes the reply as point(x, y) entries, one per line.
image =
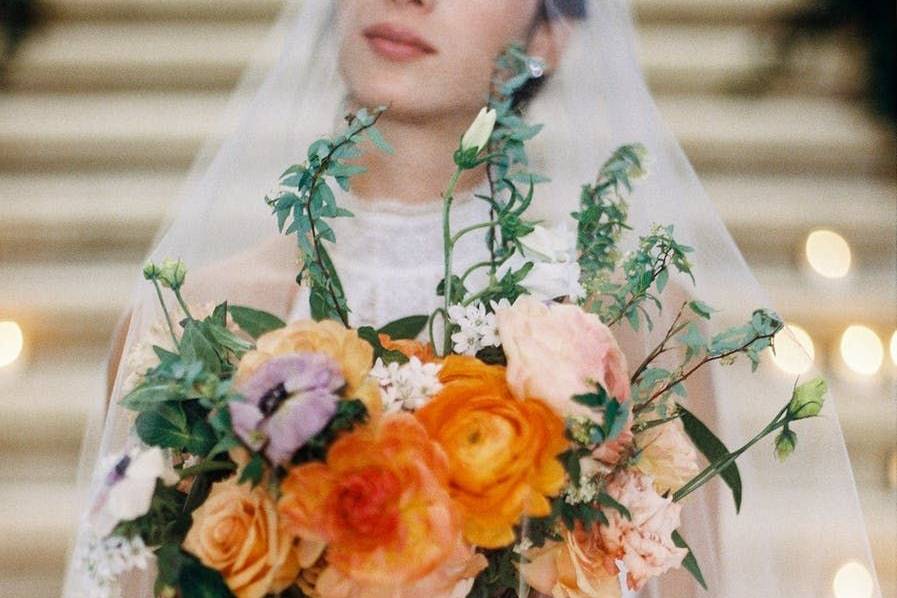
point(794, 350)
point(828, 253)
point(11, 343)
point(862, 350)
point(853, 580)
point(894, 348)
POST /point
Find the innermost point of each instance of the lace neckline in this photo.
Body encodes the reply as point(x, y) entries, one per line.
point(386, 207)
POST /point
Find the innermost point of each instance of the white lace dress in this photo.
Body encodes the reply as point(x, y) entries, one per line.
point(389, 256)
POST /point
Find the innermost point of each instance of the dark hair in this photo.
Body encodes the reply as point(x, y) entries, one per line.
point(572, 9)
point(548, 11)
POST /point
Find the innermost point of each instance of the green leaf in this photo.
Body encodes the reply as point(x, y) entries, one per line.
point(164, 426)
point(252, 473)
point(198, 581)
point(377, 139)
point(227, 339)
point(690, 562)
point(714, 449)
point(380, 352)
point(406, 328)
point(609, 501)
point(146, 397)
point(219, 315)
point(255, 322)
point(702, 309)
point(202, 439)
point(195, 346)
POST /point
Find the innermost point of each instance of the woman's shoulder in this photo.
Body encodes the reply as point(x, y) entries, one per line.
point(262, 276)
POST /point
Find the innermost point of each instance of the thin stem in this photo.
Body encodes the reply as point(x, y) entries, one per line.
point(182, 303)
point(448, 248)
point(174, 338)
point(701, 364)
point(479, 295)
point(470, 229)
point(206, 466)
point(442, 312)
point(662, 261)
point(715, 469)
point(316, 245)
point(485, 264)
point(661, 347)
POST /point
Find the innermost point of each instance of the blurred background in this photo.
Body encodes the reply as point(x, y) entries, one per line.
point(786, 108)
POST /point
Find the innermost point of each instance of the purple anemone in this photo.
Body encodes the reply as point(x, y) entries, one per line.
point(288, 400)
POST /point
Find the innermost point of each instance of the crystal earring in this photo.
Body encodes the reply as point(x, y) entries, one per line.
point(536, 66)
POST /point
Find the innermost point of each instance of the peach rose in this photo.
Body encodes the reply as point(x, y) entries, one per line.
point(578, 567)
point(644, 543)
point(453, 579)
point(236, 532)
point(380, 503)
point(668, 456)
point(502, 451)
point(559, 351)
point(353, 355)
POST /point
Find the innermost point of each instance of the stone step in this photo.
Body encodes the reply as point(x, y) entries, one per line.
point(86, 299)
point(197, 10)
point(168, 56)
point(101, 213)
point(155, 130)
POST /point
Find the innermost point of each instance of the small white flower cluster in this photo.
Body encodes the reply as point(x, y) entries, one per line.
point(408, 385)
point(584, 492)
point(478, 328)
point(522, 546)
point(104, 560)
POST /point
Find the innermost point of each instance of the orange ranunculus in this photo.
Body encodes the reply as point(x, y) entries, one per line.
point(410, 348)
point(237, 533)
point(380, 502)
point(502, 451)
point(353, 355)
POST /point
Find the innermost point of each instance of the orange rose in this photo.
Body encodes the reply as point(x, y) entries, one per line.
point(236, 532)
point(410, 348)
point(380, 503)
point(354, 355)
point(502, 451)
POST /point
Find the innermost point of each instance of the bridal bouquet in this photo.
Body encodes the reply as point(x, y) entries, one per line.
point(503, 442)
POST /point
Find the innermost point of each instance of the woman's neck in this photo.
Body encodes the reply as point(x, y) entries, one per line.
point(421, 166)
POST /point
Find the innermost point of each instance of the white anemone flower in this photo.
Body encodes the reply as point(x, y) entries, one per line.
point(129, 487)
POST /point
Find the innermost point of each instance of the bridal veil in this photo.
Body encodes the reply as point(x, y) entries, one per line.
point(799, 520)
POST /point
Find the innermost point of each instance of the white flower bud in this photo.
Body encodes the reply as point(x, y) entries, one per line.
point(477, 136)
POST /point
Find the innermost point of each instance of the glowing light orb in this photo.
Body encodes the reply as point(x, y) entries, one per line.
point(894, 348)
point(795, 351)
point(828, 253)
point(853, 580)
point(11, 343)
point(862, 350)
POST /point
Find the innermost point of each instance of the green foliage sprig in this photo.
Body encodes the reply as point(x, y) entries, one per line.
point(306, 200)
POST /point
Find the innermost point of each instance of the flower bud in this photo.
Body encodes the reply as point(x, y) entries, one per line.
point(785, 444)
point(172, 273)
point(150, 271)
point(477, 136)
point(807, 399)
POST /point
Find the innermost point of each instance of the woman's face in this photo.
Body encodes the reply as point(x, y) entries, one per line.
point(427, 58)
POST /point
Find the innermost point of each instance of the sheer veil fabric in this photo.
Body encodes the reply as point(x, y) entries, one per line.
point(800, 520)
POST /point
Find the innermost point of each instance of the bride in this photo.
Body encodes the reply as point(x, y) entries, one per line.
point(433, 63)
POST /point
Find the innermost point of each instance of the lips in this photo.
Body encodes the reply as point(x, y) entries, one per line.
point(396, 43)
